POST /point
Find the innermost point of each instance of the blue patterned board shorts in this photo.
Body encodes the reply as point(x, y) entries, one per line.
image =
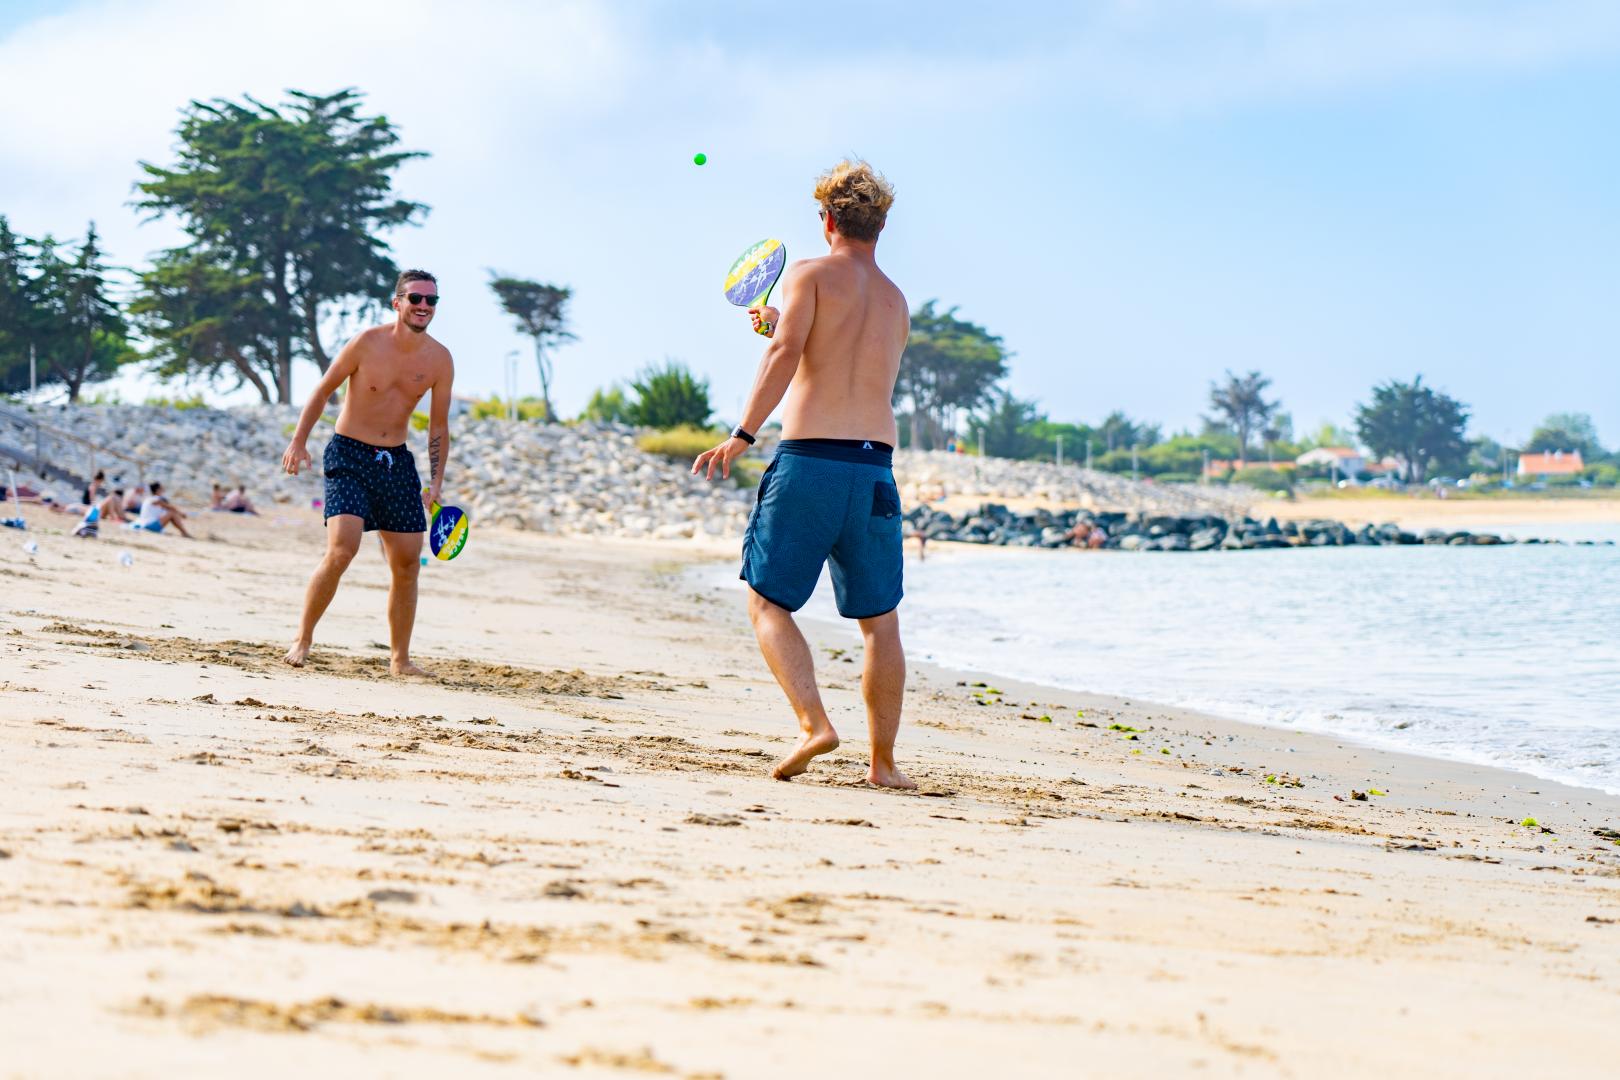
point(377, 484)
point(827, 501)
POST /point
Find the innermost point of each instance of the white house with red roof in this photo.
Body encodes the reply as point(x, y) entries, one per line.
point(1348, 460)
point(1552, 463)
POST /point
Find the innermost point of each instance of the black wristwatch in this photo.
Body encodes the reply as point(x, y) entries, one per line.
point(738, 433)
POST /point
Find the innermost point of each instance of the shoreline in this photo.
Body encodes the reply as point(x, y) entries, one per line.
point(821, 632)
point(827, 629)
point(566, 850)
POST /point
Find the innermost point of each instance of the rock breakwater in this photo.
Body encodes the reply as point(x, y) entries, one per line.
point(995, 524)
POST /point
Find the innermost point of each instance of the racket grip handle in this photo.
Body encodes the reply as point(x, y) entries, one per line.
point(764, 329)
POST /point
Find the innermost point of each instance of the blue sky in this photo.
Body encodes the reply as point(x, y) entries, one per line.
point(1136, 194)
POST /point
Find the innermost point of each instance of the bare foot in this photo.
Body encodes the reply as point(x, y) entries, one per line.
point(890, 777)
point(810, 746)
point(297, 654)
point(404, 667)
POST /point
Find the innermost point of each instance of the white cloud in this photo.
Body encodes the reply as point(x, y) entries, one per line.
point(1201, 54)
point(104, 81)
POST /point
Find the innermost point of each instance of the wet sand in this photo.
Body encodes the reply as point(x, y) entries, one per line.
point(564, 853)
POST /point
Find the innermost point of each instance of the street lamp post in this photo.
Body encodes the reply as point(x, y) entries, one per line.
point(511, 385)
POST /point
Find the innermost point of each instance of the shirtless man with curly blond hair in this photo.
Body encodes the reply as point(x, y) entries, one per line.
point(829, 494)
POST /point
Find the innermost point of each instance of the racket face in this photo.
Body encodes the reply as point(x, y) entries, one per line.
point(447, 532)
point(753, 275)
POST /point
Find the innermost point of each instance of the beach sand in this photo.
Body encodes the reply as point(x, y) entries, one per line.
point(1427, 512)
point(565, 853)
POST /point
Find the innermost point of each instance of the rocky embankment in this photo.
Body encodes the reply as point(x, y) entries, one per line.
point(928, 476)
point(585, 479)
point(996, 524)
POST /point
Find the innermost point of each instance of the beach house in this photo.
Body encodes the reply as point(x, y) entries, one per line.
point(1553, 463)
point(1341, 461)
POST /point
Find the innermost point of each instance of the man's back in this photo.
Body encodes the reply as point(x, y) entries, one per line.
point(845, 380)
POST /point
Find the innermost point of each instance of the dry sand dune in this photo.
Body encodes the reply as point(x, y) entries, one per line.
point(564, 854)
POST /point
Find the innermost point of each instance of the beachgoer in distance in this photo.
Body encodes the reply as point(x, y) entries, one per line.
point(95, 489)
point(157, 511)
point(133, 498)
point(237, 502)
point(216, 504)
point(829, 492)
point(371, 479)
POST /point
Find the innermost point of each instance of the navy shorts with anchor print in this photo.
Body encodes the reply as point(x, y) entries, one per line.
point(377, 484)
point(827, 501)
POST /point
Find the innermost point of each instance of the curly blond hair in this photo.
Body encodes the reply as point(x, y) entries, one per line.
point(858, 198)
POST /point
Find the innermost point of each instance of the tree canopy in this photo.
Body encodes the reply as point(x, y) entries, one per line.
point(1567, 431)
point(541, 312)
point(1008, 427)
point(949, 365)
point(1240, 406)
point(1120, 432)
point(283, 206)
point(56, 300)
point(1422, 428)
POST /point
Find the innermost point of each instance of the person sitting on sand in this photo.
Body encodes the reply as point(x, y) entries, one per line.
point(371, 480)
point(216, 501)
point(829, 493)
point(237, 502)
point(95, 490)
point(110, 508)
point(157, 511)
point(134, 498)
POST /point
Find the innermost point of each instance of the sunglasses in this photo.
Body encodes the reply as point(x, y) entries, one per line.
point(431, 300)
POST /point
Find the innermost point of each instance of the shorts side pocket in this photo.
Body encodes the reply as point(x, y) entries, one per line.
point(885, 507)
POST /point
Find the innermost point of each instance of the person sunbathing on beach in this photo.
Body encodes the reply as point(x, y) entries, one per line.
point(829, 493)
point(109, 508)
point(237, 502)
point(371, 479)
point(157, 511)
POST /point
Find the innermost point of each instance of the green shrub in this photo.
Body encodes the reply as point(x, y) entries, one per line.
point(1265, 479)
point(670, 396)
point(1604, 474)
point(1177, 478)
point(681, 443)
point(608, 404)
point(195, 401)
point(419, 421)
point(528, 408)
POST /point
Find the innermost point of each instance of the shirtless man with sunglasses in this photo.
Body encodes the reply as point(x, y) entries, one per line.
point(371, 479)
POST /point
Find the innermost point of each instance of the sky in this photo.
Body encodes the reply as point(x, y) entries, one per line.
point(1137, 195)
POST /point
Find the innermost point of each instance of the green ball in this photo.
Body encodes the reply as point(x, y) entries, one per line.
point(699, 159)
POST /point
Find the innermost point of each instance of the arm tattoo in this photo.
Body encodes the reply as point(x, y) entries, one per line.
point(435, 457)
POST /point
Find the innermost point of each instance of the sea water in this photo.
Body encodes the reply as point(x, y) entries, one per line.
point(1497, 655)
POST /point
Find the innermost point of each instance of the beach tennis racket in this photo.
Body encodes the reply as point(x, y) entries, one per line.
point(752, 277)
point(447, 531)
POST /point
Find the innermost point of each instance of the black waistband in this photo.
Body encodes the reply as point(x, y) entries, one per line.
point(344, 440)
point(856, 451)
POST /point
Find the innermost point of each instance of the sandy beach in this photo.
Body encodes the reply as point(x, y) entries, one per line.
point(1427, 512)
point(564, 852)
